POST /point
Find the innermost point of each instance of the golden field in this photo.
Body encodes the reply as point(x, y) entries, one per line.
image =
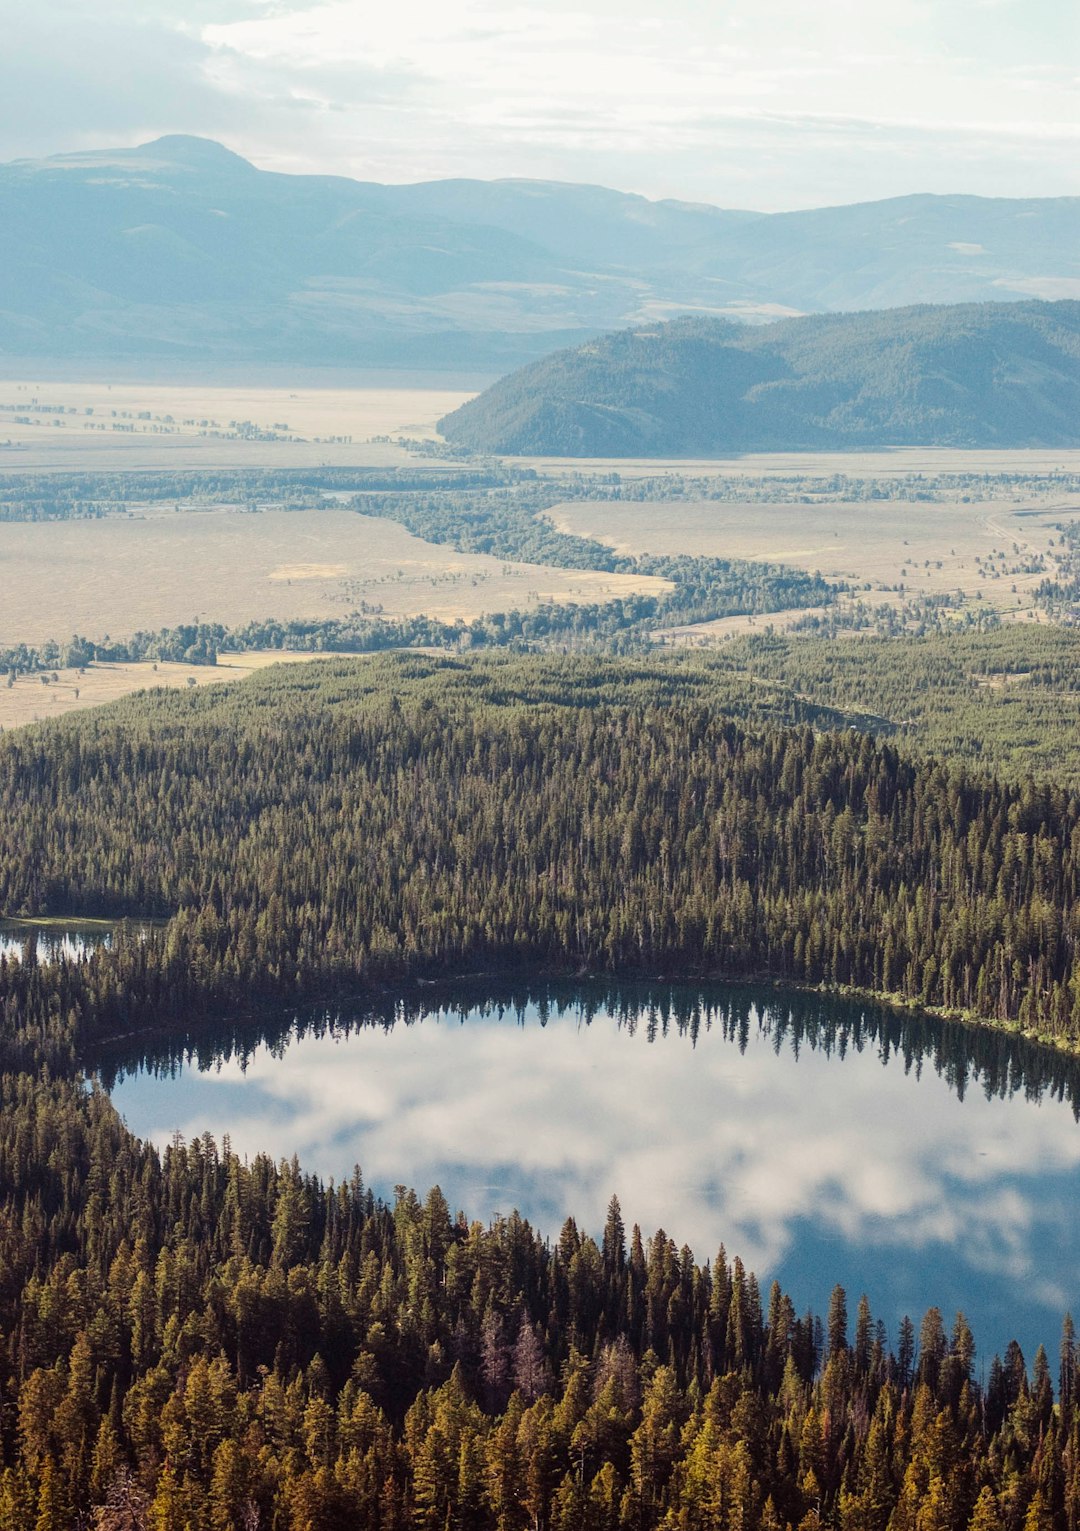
point(30, 699)
point(123, 574)
point(988, 550)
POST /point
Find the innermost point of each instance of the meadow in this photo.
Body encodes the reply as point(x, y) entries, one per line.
point(37, 698)
point(116, 576)
point(993, 551)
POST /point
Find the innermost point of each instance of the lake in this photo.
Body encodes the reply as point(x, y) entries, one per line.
point(72, 940)
point(821, 1139)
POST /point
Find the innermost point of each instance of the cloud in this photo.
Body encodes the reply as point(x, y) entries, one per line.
point(771, 104)
point(74, 76)
point(842, 102)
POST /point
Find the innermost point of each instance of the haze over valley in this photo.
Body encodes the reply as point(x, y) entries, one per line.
point(191, 257)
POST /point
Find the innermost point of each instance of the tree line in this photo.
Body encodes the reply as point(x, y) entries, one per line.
point(77, 496)
point(991, 1061)
point(305, 833)
point(189, 1342)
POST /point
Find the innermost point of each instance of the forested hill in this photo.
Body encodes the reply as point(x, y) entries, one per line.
point(191, 1342)
point(422, 818)
point(968, 375)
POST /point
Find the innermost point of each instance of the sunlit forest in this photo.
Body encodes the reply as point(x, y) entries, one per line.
point(189, 1341)
point(192, 1341)
point(359, 825)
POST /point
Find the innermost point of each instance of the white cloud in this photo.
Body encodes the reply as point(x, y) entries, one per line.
point(768, 104)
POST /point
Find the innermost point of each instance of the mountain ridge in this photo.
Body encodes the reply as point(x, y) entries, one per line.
point(965, 375)
point(181, 248)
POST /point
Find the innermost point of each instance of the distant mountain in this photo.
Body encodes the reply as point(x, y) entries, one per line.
point(182, 250)
point(970, 375)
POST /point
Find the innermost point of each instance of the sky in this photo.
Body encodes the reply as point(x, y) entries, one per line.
point(767, 104)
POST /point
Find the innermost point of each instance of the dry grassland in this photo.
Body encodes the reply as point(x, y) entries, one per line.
point(30, 700)
point(703, 634)
point(195, 426)
point(932, 549)
point(116, 576)
point(148, 454)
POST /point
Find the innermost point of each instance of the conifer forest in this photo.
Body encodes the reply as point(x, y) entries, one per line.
point(540, 766)
point(191, 1339)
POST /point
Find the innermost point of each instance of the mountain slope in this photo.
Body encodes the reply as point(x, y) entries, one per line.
point(966, 375)
point(180, 249)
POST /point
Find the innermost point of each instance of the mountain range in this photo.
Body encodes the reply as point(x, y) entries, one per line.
point(180, 251)
point(967, 375)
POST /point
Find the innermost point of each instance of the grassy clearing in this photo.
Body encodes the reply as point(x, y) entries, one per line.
point(28, 700)
point(121, 575)
point(996, 551)
point(703, 634)
point(10, 925)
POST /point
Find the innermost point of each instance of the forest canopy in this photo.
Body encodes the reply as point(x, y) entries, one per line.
point(415, 817)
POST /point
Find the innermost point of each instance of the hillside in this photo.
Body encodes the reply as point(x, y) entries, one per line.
point(182, 252)
point(972, 375)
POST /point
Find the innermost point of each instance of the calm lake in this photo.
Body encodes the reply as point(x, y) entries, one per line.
point(72, 940)
point(822, 1140)
point(69, 939)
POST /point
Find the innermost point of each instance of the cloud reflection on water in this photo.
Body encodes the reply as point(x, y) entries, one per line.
point(769, 1152)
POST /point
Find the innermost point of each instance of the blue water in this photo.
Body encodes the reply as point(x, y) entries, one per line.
point(72, 940)
point(814, 1138)
point(51, 942)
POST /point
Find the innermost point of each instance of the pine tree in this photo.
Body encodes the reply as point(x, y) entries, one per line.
point(54, 1505)
point(613, 1247)
point(531, 1371)
point(838, 1322)
point(1068, 1369)
point(864, 1337)
point(985, 1516)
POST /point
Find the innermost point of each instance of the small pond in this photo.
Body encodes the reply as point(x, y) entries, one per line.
point(51, 939)
point(73, 939)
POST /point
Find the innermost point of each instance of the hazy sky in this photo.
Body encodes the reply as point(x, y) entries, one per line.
point(755, 103)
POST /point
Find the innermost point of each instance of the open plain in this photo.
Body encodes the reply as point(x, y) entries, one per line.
point(885, 462)
point(124, 574)
point(77, 425)
point(994, 551)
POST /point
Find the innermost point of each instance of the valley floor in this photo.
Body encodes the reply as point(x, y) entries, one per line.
point(32, 699)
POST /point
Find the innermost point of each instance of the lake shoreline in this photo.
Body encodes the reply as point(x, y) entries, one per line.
point(818, 1135)
point(1063, 1047)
